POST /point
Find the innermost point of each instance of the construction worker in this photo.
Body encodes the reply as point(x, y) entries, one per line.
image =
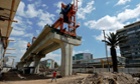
point(28, 45)
point(33, 39)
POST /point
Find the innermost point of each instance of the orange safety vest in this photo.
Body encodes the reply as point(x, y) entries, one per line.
point(28, 44)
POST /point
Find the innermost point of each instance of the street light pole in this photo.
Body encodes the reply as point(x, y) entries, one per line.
point(106, 50)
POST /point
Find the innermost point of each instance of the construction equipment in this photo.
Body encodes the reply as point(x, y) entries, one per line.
point(68, 16)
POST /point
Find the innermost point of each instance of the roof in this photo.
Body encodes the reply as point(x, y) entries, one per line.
point(132, 24)
point(8, 9)
point(129, 26)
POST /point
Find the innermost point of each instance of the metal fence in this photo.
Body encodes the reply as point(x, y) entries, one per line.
point(125, 70)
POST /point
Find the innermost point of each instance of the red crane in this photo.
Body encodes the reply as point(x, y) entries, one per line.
point(68, 16)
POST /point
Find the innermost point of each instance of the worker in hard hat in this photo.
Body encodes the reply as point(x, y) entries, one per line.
point(28, 45)
point(33, 39)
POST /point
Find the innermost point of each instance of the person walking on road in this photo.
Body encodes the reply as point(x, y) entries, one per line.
point(54, 76)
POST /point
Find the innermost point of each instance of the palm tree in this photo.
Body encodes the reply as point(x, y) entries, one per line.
point(113, 41)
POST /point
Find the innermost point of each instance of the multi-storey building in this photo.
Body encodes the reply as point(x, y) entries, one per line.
point(82, 56)
point(130, 44)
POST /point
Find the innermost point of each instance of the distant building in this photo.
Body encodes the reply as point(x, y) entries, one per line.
point(82, 56)
point(82, 60)
point(130, 44)
point(49, 63)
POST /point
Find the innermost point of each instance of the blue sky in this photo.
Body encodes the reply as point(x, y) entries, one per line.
point(93, 15)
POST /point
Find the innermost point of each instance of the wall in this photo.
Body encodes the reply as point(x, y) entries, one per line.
point(125, 70)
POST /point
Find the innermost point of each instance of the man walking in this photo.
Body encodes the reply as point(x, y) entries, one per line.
point(54, 76)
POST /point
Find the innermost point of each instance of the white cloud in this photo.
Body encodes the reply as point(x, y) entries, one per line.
point(58, 5)
point(38, 3)
point(38, 31)
point(83, 11)
point(30, 0)
point(105, 23)
point(31, 11)
point(30, 35)
point(138, 19)
point(12, 38)
point(129, 14)
point(101, 36)
point(112, 23)
point(122, 2)
point(45, 18)
point(126, 6)
point(80, 3)
point(44, 5)
point(107, 3)
point(20, 10)
point(19, 29)
point(29, 22)
point(17, 33)
point(19, 19)
point(20, 46)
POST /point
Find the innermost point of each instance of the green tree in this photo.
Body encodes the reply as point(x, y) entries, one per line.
point(56, 65)
point(113, 41)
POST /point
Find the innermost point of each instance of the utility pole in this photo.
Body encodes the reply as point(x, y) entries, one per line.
point(106, 50)
point(13, 63)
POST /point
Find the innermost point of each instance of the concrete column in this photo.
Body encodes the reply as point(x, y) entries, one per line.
point(66, 59)
point(52, 64)
point(20, 66)
point(28, 64)
point(36, 62)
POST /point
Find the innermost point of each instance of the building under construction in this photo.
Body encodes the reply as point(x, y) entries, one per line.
point(8, 10)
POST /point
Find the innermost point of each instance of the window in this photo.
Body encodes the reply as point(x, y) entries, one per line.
point(138, 30)
point(79, 56)
point(130, 32)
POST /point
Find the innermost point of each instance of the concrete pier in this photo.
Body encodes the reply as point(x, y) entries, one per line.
point(66, 59)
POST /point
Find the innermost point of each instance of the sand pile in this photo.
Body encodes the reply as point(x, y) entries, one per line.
point(105, 78)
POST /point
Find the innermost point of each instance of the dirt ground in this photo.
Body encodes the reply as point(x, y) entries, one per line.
point(47, 81)
point(93, 78)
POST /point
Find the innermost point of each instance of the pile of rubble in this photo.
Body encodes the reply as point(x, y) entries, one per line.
point(106, 78)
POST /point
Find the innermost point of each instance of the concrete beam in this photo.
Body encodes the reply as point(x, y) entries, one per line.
point(50, 48)
point(44, 43)
point(61, 38)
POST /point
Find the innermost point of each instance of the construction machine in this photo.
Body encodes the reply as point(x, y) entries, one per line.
point(67, 16)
